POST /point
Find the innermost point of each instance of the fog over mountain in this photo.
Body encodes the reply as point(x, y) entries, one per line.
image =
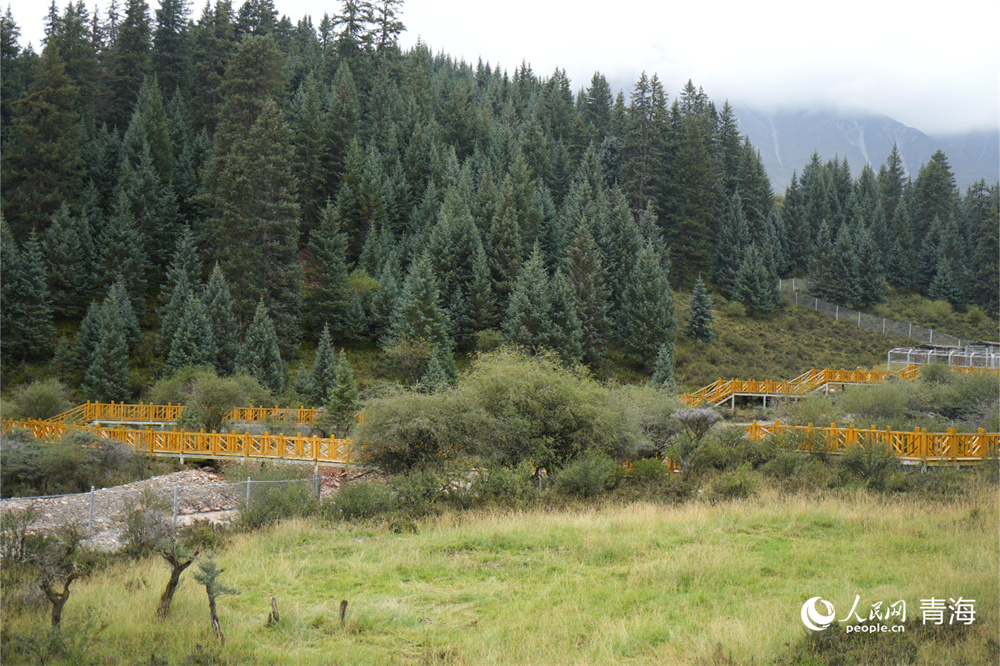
point(787, 139)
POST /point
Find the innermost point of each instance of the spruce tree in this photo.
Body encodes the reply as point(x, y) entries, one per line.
point(323, 374)
point(731, 241)
point(529, 313)
point(946, 285)
point(567, 332)
point(871, 275)
point(43, 166)
point(219, 308)
point(180, 294)
point(419, 313)
point(590, 295)
point(663, 371)
point(756, 286)
point(260, 356)
point(505, 254)
point(342, 401)
point(700, 324)
point(37, 305)
point(328, 299)
point(820, 274)
point(131, 59)
point(68, 266)
point(107, 377)
point(648, 312)
point(123, 256)
point(192, 342)
point(434, 378)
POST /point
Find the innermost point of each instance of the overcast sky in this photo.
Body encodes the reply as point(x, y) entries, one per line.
point(932, 65)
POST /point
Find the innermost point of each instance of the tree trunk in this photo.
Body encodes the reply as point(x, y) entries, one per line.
point(215, 620)
point(176, 569)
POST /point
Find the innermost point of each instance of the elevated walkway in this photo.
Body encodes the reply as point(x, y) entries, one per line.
point(720, 391)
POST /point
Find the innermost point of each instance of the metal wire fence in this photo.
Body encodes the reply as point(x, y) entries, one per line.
point(794, 292)
point(101, 514)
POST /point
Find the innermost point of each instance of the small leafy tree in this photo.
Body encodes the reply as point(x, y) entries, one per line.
point(209, 577)
point(687, 448)
point(58, 568)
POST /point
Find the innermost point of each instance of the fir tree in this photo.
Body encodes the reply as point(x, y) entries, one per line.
point(68, 265)
point(590, 295)
point(871, 276)
point(219, 308)
point(529, 314)
point(663, 371)
point(131, 59)
point(323, 374)
point(567, 333)
point(419, 314)
point(123, 256)
point(342, 402)
point(434, 378)
point(43, 167)
point(192, 342)
point(107, 377)
point(260, 356)
point(648, 312)
point(329, 298)
point(700, 324)
point(756, 287)
point(37, 305)
point(180, 294)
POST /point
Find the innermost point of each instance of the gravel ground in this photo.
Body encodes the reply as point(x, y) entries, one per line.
point(201, 495)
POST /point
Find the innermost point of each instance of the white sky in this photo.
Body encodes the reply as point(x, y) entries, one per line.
point(932, 65)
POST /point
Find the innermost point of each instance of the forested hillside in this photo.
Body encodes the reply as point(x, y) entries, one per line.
point(221, 189)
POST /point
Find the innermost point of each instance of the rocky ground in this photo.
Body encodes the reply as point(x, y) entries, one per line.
point(201, 494)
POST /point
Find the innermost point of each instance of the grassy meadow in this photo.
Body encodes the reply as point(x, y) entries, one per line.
point(623, 583)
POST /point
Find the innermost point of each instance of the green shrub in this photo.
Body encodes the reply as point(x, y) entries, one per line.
point(270, 501)
point(734, 484)
point(935, 312)
point(504, 486)
point(419, 490)
point(877, 404)
point(204, 535)
point(40, 399)
point(935, 373)
point(588, 475)
point(70, 464)
point(869, 463)
point(812, 408)
point(732, 309)
point(488, 340)
point(509, 408)
point(648, 473)
point(361, 500)
point(146, 522)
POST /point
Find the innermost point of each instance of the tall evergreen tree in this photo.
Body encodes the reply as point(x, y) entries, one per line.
point(171, 54)
point(871, 275)
point(260, 356)
point(131, 59)
point(419, 313)
point(587, 277)
point(123, 256)
point(192, 342)
point(219, 308)
point(528, 321)
point(107, 376)
point(43, 167)
point(323, 374)
point(649, 312)
point(342, 403)
point(68, 264)
point(700, 322)
point(663, 371)
point(756, 286)
point(328, 297)
point(844, 270)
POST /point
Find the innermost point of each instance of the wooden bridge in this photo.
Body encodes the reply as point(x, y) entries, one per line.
point(175, 443)
point(94, 418)
point(99, 412)
point(720, 391)
point(913, 447)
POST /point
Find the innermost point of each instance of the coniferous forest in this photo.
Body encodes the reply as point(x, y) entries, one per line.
point(225, 187)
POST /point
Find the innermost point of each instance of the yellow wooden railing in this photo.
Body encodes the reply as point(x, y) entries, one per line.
point(916, 445)
point(147, 413)
point(811, 380)
point(202, 444)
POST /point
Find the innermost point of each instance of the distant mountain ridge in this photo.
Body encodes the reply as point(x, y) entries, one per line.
point(786, 141)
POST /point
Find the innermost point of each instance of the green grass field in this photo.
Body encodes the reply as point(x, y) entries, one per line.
point(630, 583)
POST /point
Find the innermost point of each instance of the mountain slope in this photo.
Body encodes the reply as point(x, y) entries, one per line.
point(787, 139)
